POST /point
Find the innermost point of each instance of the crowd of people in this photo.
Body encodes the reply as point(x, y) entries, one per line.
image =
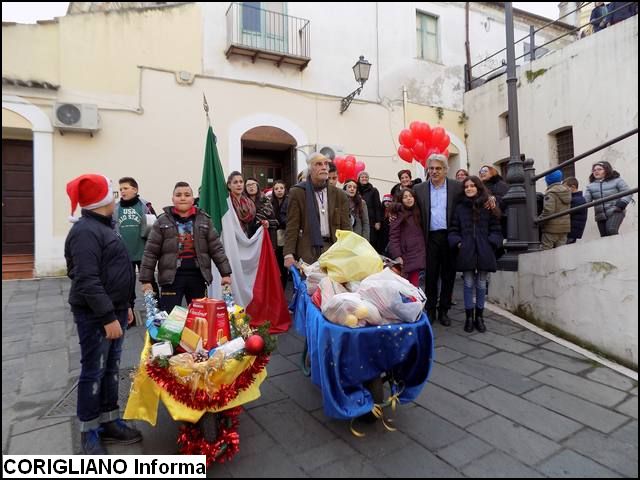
point(432, 228)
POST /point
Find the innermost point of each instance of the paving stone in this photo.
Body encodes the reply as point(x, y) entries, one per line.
point(515, 363)
point(54, 440)
point(561, 349)
point(292, 427)
point(428, 429)
point(288, 345)
point(279, 365)
point(573, 407)
point(269, 393)
point(618, 456)
point(300, 389)
point(268, 463)
point(501, 328)
point(48, 336)
point(634, 391)
point(248, 427)
point(45, 371)
point(377, 440)
point(463, 345)
point(414, 461)
point(500, 377)
point(627, 434)
point(329, 452)
point(569, 464)
point(453, 380)
point(501, 342)
point(532, 416)
point(451, 407)
point(352, 467)
point(611, 378)
point(580, 387)
point(529, 337)
point(35, 423)
point(629, 407)
point(499, 465)
point(446, 355)
point(14, 349)
point(514, 439)
point(556, 360)
point(464, 451)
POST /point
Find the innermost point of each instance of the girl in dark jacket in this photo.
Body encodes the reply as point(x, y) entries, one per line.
point(475, 231)
point(264, 210)
point(279, 203)
point(406, 240)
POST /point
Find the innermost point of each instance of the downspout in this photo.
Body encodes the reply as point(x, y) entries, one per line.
point(378, 55)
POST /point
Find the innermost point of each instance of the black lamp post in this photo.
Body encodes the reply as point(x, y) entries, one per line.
point(361, 72)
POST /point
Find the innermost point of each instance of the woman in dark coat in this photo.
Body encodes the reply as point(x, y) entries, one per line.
point(475, 232)
point(406, 240)
point(279, 202)
point(371, 196)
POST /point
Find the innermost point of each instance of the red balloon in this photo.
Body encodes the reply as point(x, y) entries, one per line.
point(423, 162)
point(446, 153)
point(338, 162)
point(360, 166)
point(444, 143)
point(350, 159)
point(407, 138)
point(419, 150)
point(431, 151)
point(424, 133)
point(414, 127)
point(405, 153)
point(437, 137)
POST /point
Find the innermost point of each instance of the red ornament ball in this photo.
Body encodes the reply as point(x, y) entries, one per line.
point(254, 345)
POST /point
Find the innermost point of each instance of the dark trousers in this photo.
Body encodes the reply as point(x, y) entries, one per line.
point(611, 225)
point(189, 286)
point(99, 373)
point(440, 265)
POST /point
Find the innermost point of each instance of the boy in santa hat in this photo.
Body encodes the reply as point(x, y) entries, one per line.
point(101, 297)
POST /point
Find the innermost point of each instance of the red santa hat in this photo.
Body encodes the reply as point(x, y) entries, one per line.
point(91, 191)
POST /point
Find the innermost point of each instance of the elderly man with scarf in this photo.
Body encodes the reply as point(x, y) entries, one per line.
point(316, 211)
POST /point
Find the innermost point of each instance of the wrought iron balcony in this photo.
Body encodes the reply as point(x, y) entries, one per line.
point(257, 33)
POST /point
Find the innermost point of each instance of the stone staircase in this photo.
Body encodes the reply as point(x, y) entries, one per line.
point(16, 267)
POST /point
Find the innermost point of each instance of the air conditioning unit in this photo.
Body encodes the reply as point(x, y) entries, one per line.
point(330, 151)
point(78, 117)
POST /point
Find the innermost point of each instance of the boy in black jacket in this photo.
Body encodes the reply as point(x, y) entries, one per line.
point(101, 298)
point(578, 219)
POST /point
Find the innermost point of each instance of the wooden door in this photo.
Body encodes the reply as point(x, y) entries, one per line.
point(17, 197)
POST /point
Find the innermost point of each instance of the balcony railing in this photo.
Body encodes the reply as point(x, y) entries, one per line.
point(257, 33)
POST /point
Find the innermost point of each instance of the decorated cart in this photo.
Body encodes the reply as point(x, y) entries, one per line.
point(204, 389)
point(349, 364)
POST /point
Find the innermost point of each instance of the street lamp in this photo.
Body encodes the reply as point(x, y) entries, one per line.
point(361, 72)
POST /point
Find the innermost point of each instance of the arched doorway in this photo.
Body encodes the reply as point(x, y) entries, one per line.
point(268, 154)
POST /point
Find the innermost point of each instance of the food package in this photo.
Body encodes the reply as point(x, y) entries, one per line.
point(209, 318)
point(171, 328)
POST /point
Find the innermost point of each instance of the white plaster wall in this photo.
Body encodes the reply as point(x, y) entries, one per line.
point(589, 290)
point(385, 33)
point(591, 85)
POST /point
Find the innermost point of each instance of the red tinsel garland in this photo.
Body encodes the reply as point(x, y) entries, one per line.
point(201, 399)
point(191, 440)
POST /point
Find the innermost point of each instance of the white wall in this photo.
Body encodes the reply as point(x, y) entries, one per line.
point(591, 85)
point(385, 33)
point(589, 289)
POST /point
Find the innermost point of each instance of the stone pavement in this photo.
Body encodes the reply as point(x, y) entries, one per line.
point(506, 403)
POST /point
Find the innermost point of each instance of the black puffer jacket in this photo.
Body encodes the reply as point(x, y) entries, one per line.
point(102, 277)
point(479, 240)
point(162, 248)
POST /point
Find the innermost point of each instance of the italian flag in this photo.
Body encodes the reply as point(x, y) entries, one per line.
point(256, 276)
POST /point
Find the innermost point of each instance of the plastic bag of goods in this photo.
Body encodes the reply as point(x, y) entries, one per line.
point(350, 258)
point(350, 310)
point(395, 297)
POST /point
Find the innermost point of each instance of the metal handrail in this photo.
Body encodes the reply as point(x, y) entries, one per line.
point(584, 206)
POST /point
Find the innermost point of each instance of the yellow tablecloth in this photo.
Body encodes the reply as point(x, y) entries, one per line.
point(145, 392)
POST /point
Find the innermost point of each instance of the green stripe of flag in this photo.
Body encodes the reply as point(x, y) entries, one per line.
point(213, 192)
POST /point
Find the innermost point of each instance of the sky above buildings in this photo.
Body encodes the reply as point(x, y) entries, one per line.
point(30, 12)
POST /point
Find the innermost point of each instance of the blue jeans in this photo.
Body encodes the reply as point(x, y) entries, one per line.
point(99, 374)
point(477, 281)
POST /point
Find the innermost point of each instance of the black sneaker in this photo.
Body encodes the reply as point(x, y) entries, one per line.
point(91, 443)
point(118, 431)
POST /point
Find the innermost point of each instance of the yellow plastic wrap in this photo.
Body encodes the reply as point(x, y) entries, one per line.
point(351, 258)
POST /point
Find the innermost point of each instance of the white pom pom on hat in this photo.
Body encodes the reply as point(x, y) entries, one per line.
point(90, 191)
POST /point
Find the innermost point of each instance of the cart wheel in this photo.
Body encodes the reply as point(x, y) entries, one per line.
point(208, 424)
point(376, 387)
point(306, 361)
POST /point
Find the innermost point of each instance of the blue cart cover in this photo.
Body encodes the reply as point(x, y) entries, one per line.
point(343, 359)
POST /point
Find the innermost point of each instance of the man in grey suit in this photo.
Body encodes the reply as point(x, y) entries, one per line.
point(437, 200)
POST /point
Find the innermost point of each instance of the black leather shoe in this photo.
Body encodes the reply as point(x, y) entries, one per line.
point(468, 323)
point(443, 318)
point(479, 320)
point(118, 431)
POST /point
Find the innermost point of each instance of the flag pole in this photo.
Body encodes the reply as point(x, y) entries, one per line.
point(205, 105)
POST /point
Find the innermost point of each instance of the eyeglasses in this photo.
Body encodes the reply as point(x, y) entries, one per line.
point(251, 184)
point(484, 170)
point(596, 168)
point(436, 168)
